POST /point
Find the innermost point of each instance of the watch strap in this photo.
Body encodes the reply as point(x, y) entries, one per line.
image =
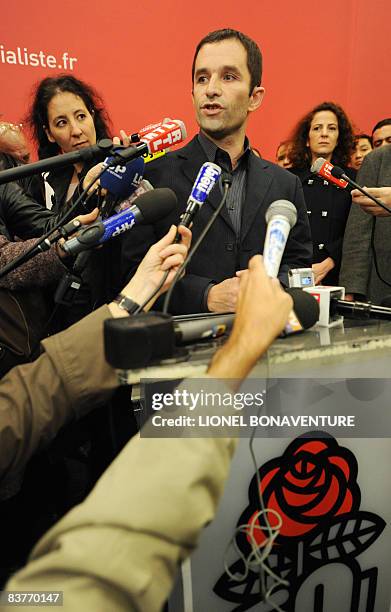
point(126, 303)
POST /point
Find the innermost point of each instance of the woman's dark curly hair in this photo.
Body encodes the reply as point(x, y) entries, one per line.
point(300, 154)
point(44, 91)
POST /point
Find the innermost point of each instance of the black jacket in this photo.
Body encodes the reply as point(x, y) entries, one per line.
point(21, 215)
point(221, 253)
point(328, 209)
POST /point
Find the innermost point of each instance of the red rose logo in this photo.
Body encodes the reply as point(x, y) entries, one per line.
point(313, 488)
point(313, 481)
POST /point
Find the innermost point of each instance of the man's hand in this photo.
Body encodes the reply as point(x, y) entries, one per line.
point(162, 256)
point(381, 193)
point(262, 311)
point(223, 297)
point(321, 269)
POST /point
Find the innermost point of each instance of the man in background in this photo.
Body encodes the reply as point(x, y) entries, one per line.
point(13, 142)
point(359, 258)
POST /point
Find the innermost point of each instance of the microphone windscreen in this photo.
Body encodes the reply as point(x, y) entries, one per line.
point(156, 204)
point(283, 208)
point(318, 163)
point(305, 307)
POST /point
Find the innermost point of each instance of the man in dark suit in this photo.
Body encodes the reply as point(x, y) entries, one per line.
point(227, 69)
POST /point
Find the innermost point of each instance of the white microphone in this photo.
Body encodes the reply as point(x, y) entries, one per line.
point(281, 216)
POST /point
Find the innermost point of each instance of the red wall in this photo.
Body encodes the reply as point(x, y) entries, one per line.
point(138, 55)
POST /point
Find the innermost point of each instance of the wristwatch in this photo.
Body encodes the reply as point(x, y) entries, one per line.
point(126, 303)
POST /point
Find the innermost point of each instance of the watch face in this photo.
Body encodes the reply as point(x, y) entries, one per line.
point(127, 304)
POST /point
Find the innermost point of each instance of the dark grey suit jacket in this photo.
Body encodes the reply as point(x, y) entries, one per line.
point(358, 274)
point(222, 253)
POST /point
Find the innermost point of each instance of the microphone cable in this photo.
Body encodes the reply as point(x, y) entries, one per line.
point(256, 560)
point(15, 263)
point(374, 254)
point(227, 181)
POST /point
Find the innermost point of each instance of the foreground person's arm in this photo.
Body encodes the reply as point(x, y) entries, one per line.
point(71, 377)
point(120, 549)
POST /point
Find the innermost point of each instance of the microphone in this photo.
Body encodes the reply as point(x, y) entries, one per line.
point(336, 175)
point(122, 180)
point(281, 216)
point(324, 168)
point(149, 207)
point(92, 154)
point(207, 177)
point(361, 310)
point(152, 126)
point(305, 312)
point(159, 139)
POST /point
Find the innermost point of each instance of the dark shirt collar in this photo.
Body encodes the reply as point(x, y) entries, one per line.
point(219, 156)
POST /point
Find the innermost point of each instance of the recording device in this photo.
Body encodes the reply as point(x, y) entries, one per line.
point(150, 207)
point(202, 326)
point(338, 177)
point(93, 154)
point(122, 180)
point(362, 310)
point(301, 277)
point(148, 339)
point(323, 168)
point(281, 216)
point(151, 127)
point(206, 179)
point(333, 307)
point(159, 139)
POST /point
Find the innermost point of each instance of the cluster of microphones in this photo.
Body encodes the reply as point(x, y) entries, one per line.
point(137, 202)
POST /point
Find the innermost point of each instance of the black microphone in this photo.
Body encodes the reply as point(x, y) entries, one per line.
point(305, 312)
point(361, 310)
point(148, 208)
point(92, 154)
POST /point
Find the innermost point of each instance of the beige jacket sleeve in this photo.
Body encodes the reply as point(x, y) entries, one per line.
point(121, 548)
point(37, 399)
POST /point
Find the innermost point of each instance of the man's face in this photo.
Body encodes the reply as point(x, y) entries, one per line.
point(13, 142)
point(221, 89)
point(381, 137)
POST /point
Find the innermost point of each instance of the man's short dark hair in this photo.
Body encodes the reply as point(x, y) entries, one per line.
point(381, 124)
point(254, 55)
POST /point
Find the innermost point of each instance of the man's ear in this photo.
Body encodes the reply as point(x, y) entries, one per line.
point(256, 98)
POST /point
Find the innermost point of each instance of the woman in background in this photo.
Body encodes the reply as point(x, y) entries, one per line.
point(66, 115)
point(324, 132)
point(362, 146)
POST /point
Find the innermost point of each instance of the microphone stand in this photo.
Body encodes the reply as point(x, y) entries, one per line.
point(95, 153)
